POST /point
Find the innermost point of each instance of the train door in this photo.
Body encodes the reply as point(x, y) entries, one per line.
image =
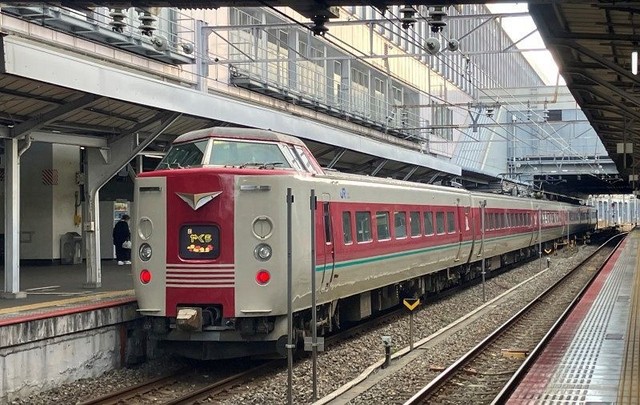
point(463, 223)
point(535, 233)
point(328, 251)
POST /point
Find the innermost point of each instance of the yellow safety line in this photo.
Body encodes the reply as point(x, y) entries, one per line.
point(629, 386)
point(68, 301)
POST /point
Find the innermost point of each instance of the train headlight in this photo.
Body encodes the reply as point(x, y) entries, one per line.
point(145, 252)
point(145, 228)
point(262, 252)
point(145, 276)
point(262, 227)
point(263, 276)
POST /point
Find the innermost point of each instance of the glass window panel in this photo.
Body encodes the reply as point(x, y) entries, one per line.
point(400, 224)
point(439, 222)
point(414, 219)
point(428, 223)
point(346, 227)
point(382, 223)
point(363, 226)
point(451, 222)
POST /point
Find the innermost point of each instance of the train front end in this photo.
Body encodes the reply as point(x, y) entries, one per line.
point(203, 275)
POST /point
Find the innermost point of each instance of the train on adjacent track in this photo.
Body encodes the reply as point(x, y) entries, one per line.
point(210, 230)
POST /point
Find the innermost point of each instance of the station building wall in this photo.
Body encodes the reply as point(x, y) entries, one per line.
point(47, 199)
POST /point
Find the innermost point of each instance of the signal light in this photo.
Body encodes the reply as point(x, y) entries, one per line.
point(145, 276)
point(263, 277)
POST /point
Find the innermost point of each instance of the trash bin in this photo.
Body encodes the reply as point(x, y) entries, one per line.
point(71, 248)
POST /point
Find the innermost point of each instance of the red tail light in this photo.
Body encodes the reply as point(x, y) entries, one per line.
point(263, 277)
point(145, 276)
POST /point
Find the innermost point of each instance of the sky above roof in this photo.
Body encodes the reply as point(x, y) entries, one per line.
point(519, 27)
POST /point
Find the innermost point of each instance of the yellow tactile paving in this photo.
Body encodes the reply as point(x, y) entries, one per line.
point(65, 302)
point(629, 388)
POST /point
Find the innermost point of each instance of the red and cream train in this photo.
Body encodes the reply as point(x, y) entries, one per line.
point(210, 241)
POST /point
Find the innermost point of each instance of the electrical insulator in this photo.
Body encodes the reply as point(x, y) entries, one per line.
point(147, 21)
point(318, 27)
point(117, 20)
point(435, 22)
point(408, 16)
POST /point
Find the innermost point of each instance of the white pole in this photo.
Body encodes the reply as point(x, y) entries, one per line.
point(290, 345)
point(483, 205)
point(314, 323)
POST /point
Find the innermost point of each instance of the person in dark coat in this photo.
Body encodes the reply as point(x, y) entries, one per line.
point(121, 233)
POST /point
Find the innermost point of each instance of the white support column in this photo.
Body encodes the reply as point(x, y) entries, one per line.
point(91, 230)
point(12, 221)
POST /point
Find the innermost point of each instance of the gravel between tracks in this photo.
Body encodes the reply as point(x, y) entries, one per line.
point(346, 361)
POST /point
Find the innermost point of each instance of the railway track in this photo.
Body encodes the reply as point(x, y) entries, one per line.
point(185, 387)
point(479, 375)
point(181, 387)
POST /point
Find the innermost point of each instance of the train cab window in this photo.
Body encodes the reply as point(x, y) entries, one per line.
point(440, 222)
point(428, 223)
point(451, 222)
point(363, 226)
point(400, 224)
point(247, 154)
point(414, 221)
point(346, 228)
point(184, 155)
point(304, 159)
point(382, 225)
point(293, 158)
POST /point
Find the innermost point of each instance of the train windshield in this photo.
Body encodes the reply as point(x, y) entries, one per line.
point(184, 155)
point(247, 154)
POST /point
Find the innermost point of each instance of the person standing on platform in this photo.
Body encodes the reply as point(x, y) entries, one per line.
point(122, 236)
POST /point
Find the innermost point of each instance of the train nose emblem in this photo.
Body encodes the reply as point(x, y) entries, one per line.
point(198, 200)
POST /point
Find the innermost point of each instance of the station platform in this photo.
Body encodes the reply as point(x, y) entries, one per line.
point(594, 358)
point(54, 289)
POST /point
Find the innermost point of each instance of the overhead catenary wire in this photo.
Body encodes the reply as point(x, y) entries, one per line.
point(455, 67)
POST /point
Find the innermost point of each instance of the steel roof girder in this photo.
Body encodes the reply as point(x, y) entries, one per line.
point(57, 113)
point(591, 89)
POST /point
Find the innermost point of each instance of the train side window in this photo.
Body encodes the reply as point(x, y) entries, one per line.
point(428, 223)
point(400, 224)
point(327, 222)
point(451, 222)
point(414, 220)
point(346, 228)
point(439, 222)
point(382, 225)
point(363, 226)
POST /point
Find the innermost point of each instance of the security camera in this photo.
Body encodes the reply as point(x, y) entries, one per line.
point(432, 45)
point(453, 45)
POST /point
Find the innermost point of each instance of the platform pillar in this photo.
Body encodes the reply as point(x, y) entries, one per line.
point(12, 221)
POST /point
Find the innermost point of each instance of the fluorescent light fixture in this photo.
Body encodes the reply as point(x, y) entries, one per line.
point(634, 62)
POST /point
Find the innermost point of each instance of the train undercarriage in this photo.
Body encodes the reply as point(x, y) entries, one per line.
point(248, 337)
